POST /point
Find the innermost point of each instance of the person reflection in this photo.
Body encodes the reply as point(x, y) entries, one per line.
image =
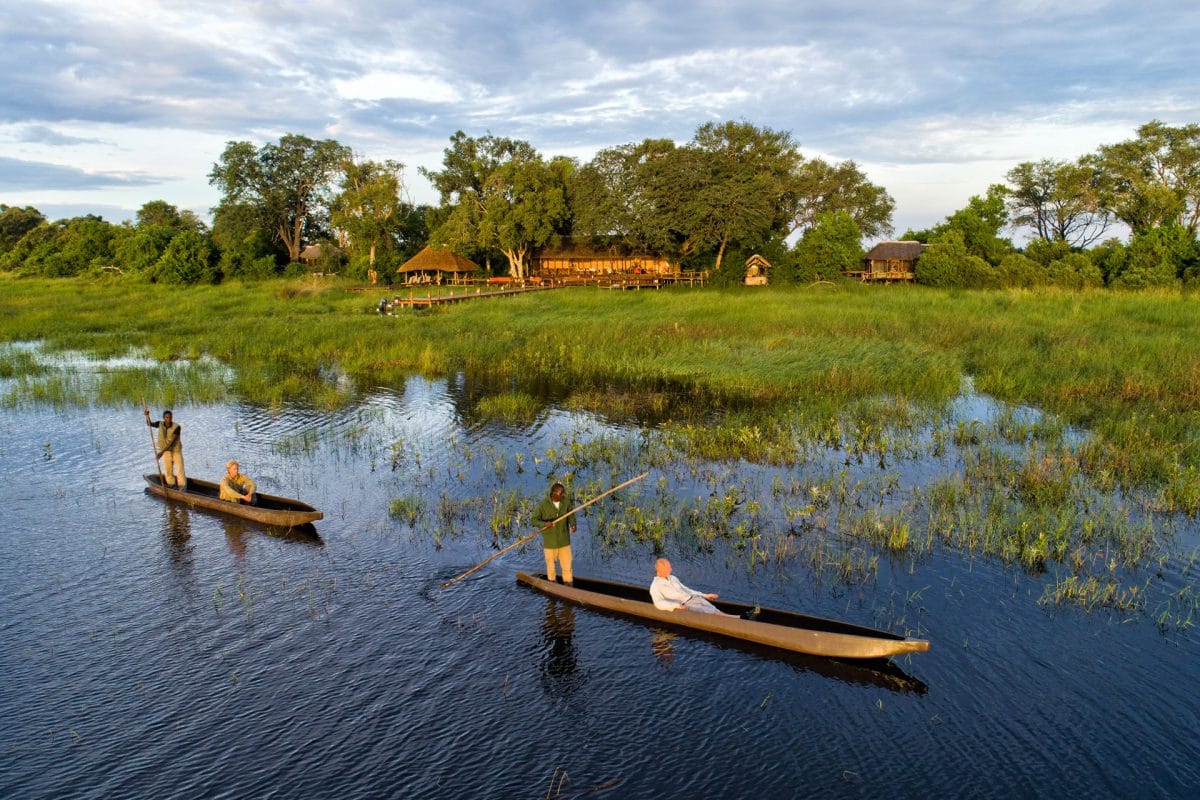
point(177, 533)
point(235, 536)
point(662, 644)
point(559, 667)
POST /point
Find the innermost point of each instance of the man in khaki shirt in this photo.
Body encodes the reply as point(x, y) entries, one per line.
point(236, 487)
point(169, 449)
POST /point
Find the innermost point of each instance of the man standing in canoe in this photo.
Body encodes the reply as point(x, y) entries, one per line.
point(169, 449)
point(556, 539)
point(669, 594)
point(236, 487)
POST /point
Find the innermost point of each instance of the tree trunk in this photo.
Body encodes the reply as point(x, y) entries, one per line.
point(721, 250)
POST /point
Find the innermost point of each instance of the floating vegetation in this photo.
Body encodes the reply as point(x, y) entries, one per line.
point(407, 510)
point(510, 407)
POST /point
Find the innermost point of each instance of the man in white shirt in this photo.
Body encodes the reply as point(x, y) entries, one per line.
point(669, 594)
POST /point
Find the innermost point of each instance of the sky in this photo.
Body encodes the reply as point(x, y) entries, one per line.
point(107, 106)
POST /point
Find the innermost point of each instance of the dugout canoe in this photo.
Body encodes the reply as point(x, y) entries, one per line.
point(786, 630)
point(282, 512)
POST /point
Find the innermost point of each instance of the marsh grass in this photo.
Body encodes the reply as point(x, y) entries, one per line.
point(511, 407)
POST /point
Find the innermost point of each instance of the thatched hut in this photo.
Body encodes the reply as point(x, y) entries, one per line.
point(891, 261)
point(432, 262)
point(756, 270)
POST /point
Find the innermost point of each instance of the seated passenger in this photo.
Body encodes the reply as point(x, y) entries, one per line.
point(237, 487)
point(669, 594)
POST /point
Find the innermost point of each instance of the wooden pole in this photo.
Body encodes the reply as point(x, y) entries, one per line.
point(519, 542)
point(153, 449)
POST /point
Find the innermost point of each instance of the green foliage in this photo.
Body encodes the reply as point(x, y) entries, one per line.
point(830, 248)
point(187, 260)
point(15, 223)
point(1074, 271)
point(1021, 271)
point(1156, 257)
point(1058, 201)
point(948, 263)
point(285, 187)
point(1153, 180)
point(1044, 251)
point(64, 249)
point(817, 188)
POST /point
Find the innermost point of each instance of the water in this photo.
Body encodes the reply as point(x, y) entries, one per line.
point(152, 651)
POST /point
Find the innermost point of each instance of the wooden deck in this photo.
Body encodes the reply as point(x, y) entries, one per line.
point(413, 300)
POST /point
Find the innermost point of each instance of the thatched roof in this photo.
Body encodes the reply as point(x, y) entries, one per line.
point(438, 259)
point(896, 251)
point(311, 253)
point(757, 260)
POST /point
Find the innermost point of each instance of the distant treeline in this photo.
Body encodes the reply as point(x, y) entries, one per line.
point(733, 190)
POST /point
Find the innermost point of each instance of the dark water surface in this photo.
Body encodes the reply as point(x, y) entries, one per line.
point(151, 651)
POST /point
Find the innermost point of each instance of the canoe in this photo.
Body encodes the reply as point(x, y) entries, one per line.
point(786, 630)
point(269, 510)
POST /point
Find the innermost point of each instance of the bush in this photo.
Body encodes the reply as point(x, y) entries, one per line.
point(1020, 271)
point(947, 263)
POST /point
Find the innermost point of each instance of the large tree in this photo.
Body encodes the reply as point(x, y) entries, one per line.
point(1154, 179)
point(1058, 201)
point(626, 194)
point(369, 208)
point(731, 181)
point(15, 222)
point(817, 188)
point(287, 185)
point(502, 196)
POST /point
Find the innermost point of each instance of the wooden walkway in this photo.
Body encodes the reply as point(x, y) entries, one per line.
point(429, 300)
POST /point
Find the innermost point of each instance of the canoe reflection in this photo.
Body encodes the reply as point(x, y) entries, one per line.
point(559, 666)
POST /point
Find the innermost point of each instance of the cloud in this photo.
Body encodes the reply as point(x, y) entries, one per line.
point(44, 134)
point(19, 175)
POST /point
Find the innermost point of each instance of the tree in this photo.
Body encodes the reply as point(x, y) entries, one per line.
point(187, 260)
point(978, 224)
point(625, 193)
point(818, 187)
point(1156, 257)
point(16, 222)
point(1154, 179)
point(731, 180)
point(831, 247)
point(1058, 201)
point(247, 249)
point(1074, 271)
point(287, 185)
point(502, 195)
point(525, 202)
point(948, 263)
point(369, 208)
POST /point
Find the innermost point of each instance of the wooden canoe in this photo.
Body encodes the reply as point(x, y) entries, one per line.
point(787, 630)
point(282, 512)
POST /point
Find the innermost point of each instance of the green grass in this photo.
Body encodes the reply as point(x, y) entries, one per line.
point(1123, 365)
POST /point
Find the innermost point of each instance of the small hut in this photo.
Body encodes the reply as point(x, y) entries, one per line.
point(891, 261)
point(756, 270)
point(431, 263)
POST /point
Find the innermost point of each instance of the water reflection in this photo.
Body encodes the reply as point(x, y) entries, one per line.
point(559, 666)
point(235, 535)
point(177, 535)
point(662, 644)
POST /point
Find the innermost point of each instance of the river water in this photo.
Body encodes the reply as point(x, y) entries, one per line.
point(152, 651)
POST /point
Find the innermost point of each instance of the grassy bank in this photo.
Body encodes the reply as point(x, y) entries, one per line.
point(1126, 366)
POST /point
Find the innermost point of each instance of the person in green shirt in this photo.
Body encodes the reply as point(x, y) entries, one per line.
point(556, 538)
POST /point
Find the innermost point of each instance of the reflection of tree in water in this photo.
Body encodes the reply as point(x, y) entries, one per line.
point(560, 674)
point(662, 644)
